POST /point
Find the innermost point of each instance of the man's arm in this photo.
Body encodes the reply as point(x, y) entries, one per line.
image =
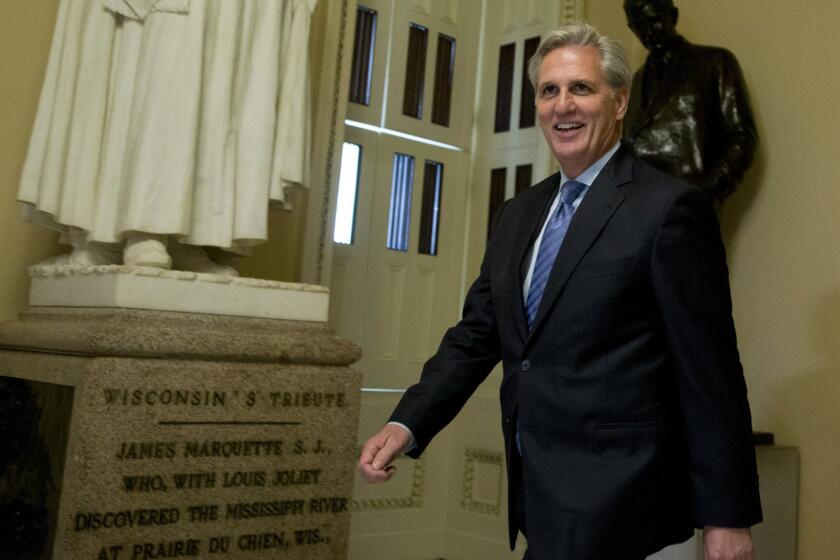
point(723, 543)
point(467, 354)
point(691, 286)
point(380, 451)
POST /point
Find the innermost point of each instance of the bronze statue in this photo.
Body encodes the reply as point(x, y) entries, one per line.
point(689, 114)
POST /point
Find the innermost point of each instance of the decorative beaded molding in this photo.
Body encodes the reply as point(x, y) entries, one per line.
point(487, 457)
point(69, 270)
point(423, 7)
point(571, 10)
point(413, 500)
point(328, 174)
point(450, 12)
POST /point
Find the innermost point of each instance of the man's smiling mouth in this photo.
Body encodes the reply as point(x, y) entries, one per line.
point(567, 126)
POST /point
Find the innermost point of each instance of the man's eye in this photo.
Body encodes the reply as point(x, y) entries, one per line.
point(548, 90)
point(581, 88)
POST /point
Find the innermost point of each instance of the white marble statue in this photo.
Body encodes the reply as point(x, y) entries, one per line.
point(167, 126)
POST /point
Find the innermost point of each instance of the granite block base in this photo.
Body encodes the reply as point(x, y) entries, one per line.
point(141, 435)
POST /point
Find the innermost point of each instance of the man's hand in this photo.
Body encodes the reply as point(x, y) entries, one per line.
point(380, 451)
point(723, 543)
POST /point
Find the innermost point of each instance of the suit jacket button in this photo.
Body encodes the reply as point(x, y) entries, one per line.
point(525, 366)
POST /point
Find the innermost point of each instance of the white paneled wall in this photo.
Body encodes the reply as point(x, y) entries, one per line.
point(452, 504)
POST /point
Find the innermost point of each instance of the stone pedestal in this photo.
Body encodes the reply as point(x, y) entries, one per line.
point(136, 435)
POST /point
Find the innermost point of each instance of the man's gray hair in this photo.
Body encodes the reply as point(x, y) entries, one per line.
point(614, 65)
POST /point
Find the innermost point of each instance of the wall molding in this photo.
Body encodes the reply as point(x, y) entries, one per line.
point(472, 457)
point(571, 10)
point(413, 500)
point(323, 229)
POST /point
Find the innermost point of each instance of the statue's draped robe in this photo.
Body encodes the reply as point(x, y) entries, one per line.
point(176, 117)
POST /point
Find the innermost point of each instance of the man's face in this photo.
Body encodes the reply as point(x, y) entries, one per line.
point(579, 114)
point(653, 23)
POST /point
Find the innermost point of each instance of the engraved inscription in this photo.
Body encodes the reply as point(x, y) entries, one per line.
point(229, 472)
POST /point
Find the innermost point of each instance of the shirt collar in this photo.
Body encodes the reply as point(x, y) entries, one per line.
point(591, 173)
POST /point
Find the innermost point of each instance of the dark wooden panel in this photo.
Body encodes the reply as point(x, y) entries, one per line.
point(504, 87)
point(362, 68)
point(523, 177)
point(444, 76)
point(431, 208)
point(415, 71)
point(527, 108)
point(498, 178)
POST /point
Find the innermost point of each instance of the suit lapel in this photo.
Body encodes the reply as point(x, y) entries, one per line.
point(596, 209)
point(525, 236)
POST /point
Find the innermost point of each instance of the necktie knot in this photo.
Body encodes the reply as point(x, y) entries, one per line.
point(570, 190)
point(552, 238)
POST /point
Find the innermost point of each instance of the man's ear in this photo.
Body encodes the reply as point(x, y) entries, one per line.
point(675, 15)
point(622, 97)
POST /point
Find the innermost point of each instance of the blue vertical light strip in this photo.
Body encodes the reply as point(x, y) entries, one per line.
point(405, 202)
point(399, 211)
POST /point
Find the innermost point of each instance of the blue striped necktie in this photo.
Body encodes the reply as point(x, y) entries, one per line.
point(552, 238)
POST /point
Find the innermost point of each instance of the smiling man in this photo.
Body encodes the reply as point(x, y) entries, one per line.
point(604, 293)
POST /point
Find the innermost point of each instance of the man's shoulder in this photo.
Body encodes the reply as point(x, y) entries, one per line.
point(650, 181)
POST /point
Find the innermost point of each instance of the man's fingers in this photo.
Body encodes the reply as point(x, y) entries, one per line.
point(390, 449)
point(369, 451)
point(380, 451)
point(373, 474)
point(376, 476)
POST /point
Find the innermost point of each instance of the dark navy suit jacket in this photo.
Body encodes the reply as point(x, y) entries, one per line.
point(628, 390)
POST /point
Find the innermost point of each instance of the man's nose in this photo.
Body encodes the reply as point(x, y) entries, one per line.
point(564, 103)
